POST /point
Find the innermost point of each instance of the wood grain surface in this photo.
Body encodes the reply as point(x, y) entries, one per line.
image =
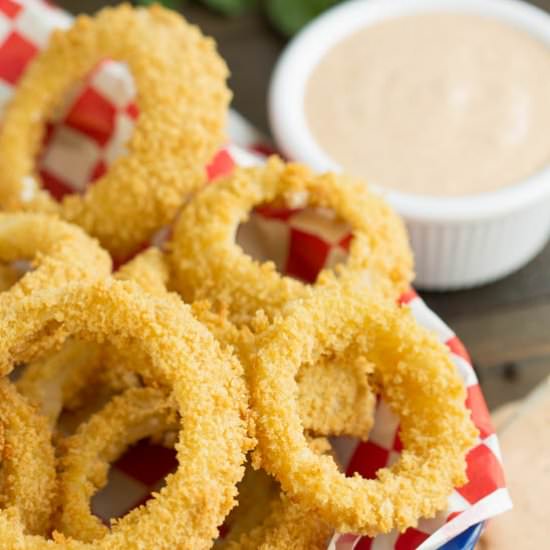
point(504, 325)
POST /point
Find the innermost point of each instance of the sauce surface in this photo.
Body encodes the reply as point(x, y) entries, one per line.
point(434, 104)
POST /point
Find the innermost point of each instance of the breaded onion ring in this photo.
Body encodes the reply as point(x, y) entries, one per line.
point(287, 525)
point(182, 98)
point(418, 381)
point(332, 401)
point(267, 520)
point(207, 386)
point(27, 462)
point(60, 252)
point(208, 263)
point(263, 519)
point(58, 381)
point(136, 414)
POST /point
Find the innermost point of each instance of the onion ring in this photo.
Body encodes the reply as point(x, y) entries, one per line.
point(418, 381)
point(267, 520)
point(207, 386)
point(60, 252)
point(264, 519)
point(182, 98)
point(27, 463)
point(332, 401)
point(287, 525)
point(136, 414)
point(207, 262)
point(58, 381)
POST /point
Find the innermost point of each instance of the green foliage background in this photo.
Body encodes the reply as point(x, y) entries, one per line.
point(288, 16)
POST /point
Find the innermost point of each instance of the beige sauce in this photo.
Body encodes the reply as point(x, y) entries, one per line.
point(439, 104)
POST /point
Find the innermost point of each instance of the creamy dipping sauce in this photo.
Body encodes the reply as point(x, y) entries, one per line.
point(436, 104)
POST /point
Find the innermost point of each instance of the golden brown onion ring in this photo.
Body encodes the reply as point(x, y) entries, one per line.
point(60, 252)
point(59, 380)
point(267, 520)
point(332, 400)
point(182, 98)
point(208, 390)
point(418, 381)
point(136, 414)
point(209, 264)
point(263, 519)
point(27, 463)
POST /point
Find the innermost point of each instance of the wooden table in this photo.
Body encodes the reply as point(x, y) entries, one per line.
point(504, 325)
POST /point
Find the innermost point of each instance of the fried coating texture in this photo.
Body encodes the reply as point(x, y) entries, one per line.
point(332, 400)
point(207, 263)
point(208, 389)
point(61, 379)
point(134, 415)
point(267, 520)
point(417, 379)
point(182, 98)
point(336, 398)
point(27, 463)
point(60, 252)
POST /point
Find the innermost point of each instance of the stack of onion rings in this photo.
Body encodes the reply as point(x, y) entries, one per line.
point(256, 362)
point(205, 383)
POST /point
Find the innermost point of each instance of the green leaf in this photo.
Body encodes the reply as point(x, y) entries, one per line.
point(172, 4)
point(289, 16)
point(230, 7)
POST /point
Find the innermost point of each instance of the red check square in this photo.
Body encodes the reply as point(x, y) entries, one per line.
point(15, 54)
point(11, 9)
point(93, 115)
point(367, 459)
point(484, 473)
point(307, 255)
point(411, 538)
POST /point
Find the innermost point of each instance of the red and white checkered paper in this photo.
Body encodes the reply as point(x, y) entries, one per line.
point(89, 132)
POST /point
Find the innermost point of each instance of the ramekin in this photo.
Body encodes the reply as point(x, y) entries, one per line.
point(458, 242)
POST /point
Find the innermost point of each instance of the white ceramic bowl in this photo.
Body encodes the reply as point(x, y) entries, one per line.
point(458, 241)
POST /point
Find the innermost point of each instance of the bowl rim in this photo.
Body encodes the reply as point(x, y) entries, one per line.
point(287, 88)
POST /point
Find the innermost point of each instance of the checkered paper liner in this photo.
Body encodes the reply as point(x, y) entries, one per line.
point(89, 132)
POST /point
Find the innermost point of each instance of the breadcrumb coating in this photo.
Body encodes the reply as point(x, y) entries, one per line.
point(265, 519)
point(182, 98)
point(136, 414)
point(416, 378)
point(27, 463)
point(63, 379)
point(60, 252)
point(207, 263)
point(208, 389)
